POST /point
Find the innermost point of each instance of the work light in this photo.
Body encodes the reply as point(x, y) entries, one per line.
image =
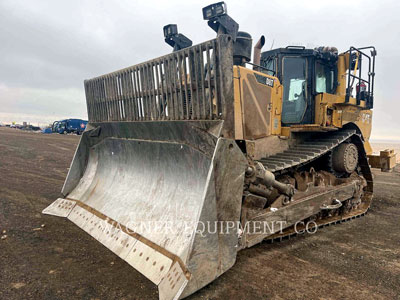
point(170, 30)
point(176, 40)
point(214, 10)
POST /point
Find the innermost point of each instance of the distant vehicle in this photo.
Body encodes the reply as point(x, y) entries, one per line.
point(69, 126)
point(29, 127)
point(47, 130)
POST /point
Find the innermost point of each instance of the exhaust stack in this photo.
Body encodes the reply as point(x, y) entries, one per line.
point(257, 52)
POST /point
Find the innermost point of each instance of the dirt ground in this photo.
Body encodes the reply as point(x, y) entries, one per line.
point(354, 260)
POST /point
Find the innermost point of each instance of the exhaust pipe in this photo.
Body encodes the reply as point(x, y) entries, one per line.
point(257, 52)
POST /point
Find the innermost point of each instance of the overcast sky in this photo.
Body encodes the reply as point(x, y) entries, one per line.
point(48, 48)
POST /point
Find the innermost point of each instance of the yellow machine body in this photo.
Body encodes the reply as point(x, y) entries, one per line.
point(258, 107)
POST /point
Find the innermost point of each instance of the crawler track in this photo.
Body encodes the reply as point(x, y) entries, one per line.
point(308, 151)
point(291, 232)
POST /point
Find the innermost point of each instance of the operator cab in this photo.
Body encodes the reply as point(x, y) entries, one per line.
point(303, 74)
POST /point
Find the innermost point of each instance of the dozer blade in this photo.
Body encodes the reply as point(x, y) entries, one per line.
point(148, 190)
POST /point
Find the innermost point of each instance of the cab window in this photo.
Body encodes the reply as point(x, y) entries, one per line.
point(295, 88)
point(270, 66)
point(324, 79)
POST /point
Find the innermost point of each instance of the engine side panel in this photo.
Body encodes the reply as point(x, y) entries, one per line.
point(258, 104)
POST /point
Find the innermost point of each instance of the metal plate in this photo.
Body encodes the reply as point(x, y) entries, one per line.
point(109, 236)
point(95, 227)
point(80, 216)
point(61, 208)
point(145, 183)
point(123, 244)
point(173, 284)
point(149, 262)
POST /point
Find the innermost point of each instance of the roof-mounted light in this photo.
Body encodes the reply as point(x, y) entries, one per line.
point(176, 40)
point(219, 21)
point(214, 10)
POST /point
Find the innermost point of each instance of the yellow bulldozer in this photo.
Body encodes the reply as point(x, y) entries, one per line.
point(193, 156)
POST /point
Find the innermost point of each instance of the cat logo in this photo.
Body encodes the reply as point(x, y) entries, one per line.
point(264, 80)
point(366, 118)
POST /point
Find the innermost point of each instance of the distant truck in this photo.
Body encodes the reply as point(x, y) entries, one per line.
point(69, 126)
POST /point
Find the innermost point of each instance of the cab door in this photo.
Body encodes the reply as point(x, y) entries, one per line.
point(295, 89)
